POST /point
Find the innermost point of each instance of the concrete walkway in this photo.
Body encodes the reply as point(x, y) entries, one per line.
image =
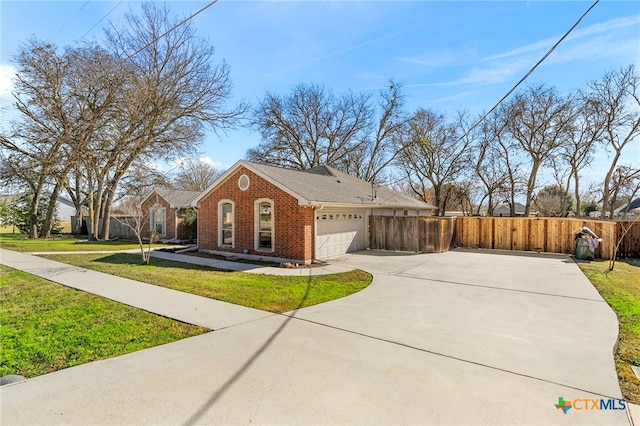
point(329, 268)
point(457, 338)
point(174, 304)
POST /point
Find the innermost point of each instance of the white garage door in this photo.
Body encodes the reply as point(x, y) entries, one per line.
point(339, 232)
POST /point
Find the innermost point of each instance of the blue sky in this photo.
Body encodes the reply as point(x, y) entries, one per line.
point(449, 55)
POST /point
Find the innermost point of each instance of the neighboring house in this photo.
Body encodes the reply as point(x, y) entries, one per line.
point(64, 207)
point(258, 211)
point(628, 210)
point(504, 210)
point(164, 210)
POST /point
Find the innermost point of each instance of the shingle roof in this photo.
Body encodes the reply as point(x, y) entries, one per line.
point(505, 209)
point(635, 204)
point(177, 197)
point(325, 184)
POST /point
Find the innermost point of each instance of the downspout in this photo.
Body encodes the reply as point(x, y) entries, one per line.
point(175, 223)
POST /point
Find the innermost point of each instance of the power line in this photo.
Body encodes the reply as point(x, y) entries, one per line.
point(69, 21)
point(522, 79)
point(102, 19)
point(531, 70)
point(184, 21)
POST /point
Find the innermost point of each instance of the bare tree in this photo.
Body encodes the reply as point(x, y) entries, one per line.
point(34, 145)
point(625, 228)
point(312, 126)
point(382, 145)
point(90, 114)
point(309, 127)
point(538, 121)
point(584, 135)
point(195, 175)
point(138, 222)
point(553, 200)
point(172, 93)
point(490, 166)
point(616, 95)
point(433, 155)
point(625, 183)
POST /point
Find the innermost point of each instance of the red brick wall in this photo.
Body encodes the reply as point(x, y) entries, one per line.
point(293, 224)
point(157, 201)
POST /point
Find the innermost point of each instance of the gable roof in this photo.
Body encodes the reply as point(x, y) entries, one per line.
point(324, 185)
point(175, 197)
point(505, 209)
point(635, 204)
point(8, 198)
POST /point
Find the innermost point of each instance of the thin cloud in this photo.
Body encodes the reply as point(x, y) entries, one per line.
point(600, 28)
point(495, 74)
point(599, 48)
point(433, 59)
point(599, 41)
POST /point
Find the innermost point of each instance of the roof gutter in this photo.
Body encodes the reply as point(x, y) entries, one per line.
point(319, 204)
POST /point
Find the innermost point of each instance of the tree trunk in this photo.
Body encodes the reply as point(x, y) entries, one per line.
point(33, 211)
point(45, 232)
point(436, 199)
point(107, 203)
point(606, 196)
point(577, 195)
point(97, 207)
point(531, 186)
point(490, 205)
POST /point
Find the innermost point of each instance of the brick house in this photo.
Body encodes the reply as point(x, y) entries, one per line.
point(164, 210)
point(257, 211)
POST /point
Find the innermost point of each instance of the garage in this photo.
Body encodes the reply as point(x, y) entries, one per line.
point(339, 232)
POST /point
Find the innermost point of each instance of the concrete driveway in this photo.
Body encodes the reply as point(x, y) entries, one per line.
point(454, 338)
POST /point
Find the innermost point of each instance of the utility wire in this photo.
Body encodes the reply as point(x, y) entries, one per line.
point(184, 21)
point(522, 79)
point(69, 21)
point(531, 70)
point(102, 19)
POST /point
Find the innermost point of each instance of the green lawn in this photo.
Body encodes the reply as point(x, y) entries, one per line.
point(266, 292)
point(65, 228)
point(64, 243)
point(47, 327)
point(621, 289)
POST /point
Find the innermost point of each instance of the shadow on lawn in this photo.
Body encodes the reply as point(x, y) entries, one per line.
point(245, 367)
point(135, 259)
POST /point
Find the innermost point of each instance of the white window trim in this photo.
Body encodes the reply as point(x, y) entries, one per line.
point(248, 180)
point(233, 224)
point(152, 223)
point(256, 215)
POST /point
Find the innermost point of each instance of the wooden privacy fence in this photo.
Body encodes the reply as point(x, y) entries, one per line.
point(630, 245)
point(117, 226)
point(552, 235)
point(417, 234)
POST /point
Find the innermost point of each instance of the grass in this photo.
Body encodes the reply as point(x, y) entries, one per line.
point(621, 290)
point(64, 243)
point(266, 292)
point(65, 228)
point(47, 327)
